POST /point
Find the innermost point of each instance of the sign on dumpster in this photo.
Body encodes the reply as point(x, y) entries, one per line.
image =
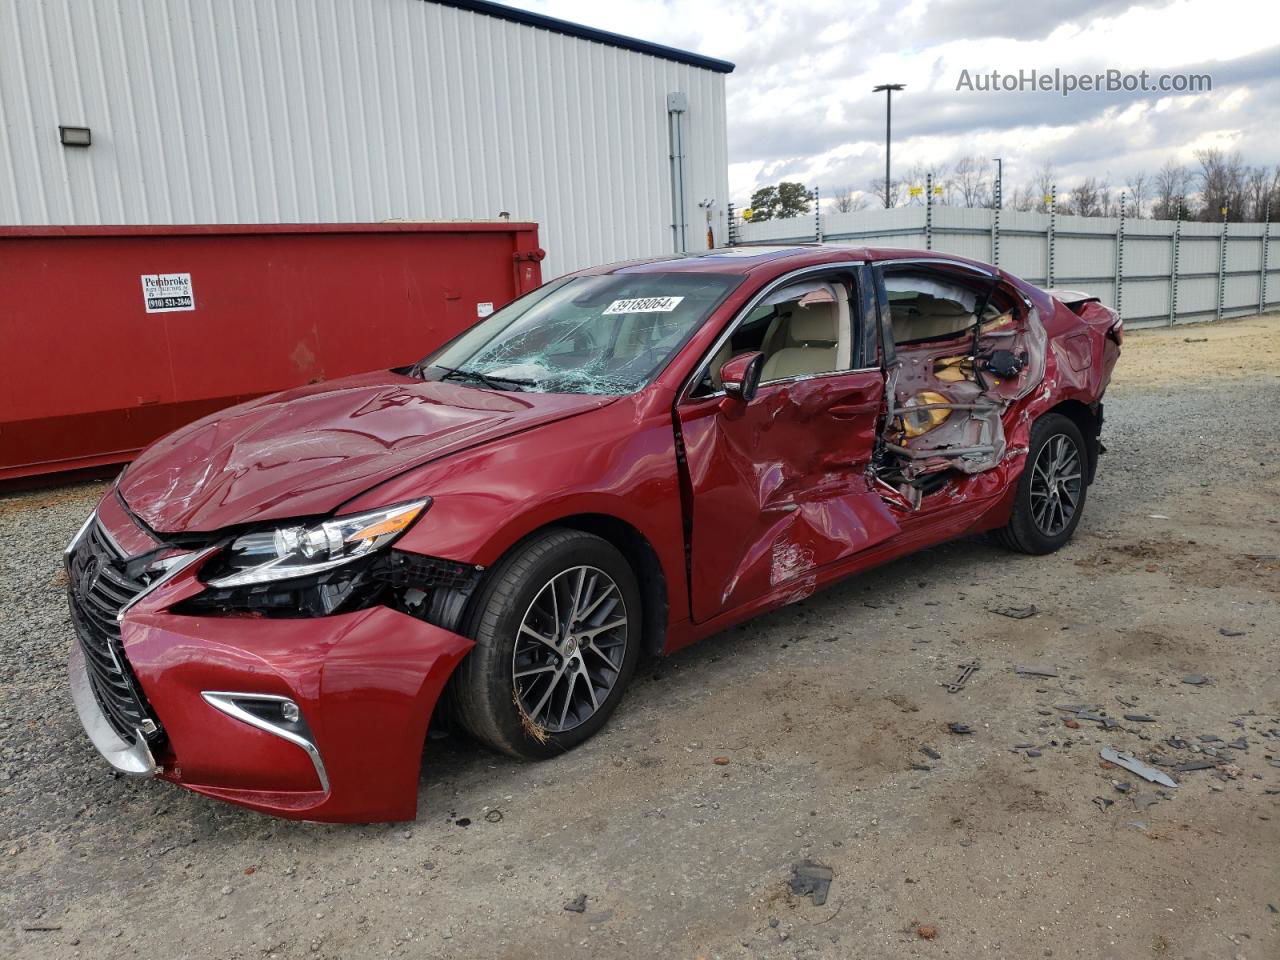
point(167, 292)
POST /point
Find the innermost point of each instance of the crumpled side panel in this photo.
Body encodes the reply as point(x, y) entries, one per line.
point(780, 487)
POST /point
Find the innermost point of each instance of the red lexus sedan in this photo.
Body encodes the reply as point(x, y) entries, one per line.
point(273, 603)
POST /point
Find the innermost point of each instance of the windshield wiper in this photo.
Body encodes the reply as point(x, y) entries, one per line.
point(493, 381)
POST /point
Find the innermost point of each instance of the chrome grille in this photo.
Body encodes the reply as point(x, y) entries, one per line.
point(99, 588)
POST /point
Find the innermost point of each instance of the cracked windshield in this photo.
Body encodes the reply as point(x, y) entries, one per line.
point(605, 334)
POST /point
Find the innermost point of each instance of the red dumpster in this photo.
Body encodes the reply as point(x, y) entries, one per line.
point(114, 336)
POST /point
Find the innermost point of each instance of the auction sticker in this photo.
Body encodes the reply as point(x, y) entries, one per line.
point(167, 292)
point(644, 305)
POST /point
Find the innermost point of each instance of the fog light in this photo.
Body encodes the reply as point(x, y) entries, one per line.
point(289, 711)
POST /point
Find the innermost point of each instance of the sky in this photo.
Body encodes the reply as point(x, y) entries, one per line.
point(800, 105)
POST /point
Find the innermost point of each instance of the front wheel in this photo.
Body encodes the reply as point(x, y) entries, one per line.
point(1051, 491)
point(557, 629)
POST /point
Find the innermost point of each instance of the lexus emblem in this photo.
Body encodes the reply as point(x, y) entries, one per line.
point(89, 578)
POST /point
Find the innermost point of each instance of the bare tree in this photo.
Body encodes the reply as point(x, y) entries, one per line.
point(848, 200)
point(918, 179)
point(1170, 187)
point(876, 189)
point(1043, 185)
point(1222, 184)
point(1138, 186)
point(1258, 192)
point(972, 184)
point(1024, 198)
point(1086, 200)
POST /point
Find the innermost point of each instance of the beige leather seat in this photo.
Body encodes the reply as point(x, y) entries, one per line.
point(927, 316)
point(812, 334)
point(723, 356)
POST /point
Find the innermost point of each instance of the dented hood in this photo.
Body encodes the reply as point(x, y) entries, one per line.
point(307, 451)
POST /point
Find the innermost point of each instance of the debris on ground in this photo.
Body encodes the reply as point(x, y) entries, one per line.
point(926, 931)
point(956, 727)
point(966, 671)
point(808, 877)
point(1016, 612)
point(1229, 632)
point(1143, 800)
point(721, 761)
point(931, 753)
point(1195, 679)
point(494, 815)
point(1195, 765)
point(1103, 803)
point(577, 905)
point(1139, 718)
point(1036, 671)
point(1136, 766)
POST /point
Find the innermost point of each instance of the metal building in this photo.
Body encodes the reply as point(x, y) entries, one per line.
point(281, 111)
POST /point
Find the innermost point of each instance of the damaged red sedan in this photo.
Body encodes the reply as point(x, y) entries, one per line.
point(274, 602)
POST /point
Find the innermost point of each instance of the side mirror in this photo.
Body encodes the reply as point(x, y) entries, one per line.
point(741, 376)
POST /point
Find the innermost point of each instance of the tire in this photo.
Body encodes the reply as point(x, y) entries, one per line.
point(577, 696)
point(1052, 436)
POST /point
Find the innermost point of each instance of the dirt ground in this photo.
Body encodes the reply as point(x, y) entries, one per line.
point(1014, 842)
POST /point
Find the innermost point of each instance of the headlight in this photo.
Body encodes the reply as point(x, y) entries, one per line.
point(264, 556)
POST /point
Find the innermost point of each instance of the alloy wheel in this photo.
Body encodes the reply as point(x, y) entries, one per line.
point(1056, 484)
point(570, 648)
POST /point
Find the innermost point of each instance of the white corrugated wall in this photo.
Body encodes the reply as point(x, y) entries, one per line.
point(264, 111)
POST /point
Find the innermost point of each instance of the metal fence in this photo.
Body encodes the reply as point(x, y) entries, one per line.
point(1154, 272)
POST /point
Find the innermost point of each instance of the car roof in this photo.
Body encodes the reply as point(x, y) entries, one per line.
point(779, 258)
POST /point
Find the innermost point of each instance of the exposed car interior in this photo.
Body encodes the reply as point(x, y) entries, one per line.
point(953, 375)
point(803, 329)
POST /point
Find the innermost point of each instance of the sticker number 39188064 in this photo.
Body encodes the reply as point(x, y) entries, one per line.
point(644, 305)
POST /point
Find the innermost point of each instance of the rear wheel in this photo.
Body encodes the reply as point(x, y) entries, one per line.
point(1051, 491)
point(557, 630)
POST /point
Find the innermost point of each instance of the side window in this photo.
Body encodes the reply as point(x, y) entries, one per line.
point(929, 305)
point(803, 328)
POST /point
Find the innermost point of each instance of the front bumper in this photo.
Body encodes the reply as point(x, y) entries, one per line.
point(365, 684)
point(132, 758)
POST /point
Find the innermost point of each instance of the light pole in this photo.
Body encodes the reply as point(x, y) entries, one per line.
point(888, 89)
point(999, 181)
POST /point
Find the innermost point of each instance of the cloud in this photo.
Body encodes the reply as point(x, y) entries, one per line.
point(800, 103)
point(978, 19)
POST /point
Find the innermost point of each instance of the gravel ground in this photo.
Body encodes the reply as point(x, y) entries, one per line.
point(1015, 840)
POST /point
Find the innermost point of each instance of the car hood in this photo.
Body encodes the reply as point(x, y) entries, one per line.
point(307, 451)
